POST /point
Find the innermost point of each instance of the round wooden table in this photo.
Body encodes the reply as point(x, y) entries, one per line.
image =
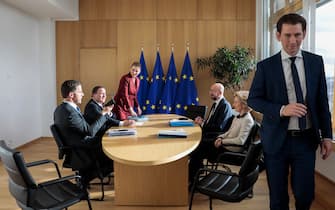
point(150, 170)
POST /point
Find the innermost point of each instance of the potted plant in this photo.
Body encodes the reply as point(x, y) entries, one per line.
point(230, 66)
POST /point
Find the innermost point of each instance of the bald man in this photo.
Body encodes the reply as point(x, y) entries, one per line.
point(218, 121)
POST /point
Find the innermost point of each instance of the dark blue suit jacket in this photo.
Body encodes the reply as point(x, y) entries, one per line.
point(268, 94)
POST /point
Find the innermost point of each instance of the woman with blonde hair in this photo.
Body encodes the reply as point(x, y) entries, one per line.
point(241, 125)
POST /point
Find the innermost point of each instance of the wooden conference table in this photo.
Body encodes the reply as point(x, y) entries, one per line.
point(149, 170)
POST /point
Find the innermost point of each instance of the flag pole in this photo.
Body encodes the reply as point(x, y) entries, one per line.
point(172, 47)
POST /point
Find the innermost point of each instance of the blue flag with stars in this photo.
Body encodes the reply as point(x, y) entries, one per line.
point(187, 93)
point(144, 84)
point(167, 104)
point(156, 87)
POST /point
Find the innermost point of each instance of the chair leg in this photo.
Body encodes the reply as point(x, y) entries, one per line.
point(89, 204)
point(102, 189)
point(210, 203)
point(192, 195)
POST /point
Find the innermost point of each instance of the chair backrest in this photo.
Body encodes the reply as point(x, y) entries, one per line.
point(251, 160)
point(62, 149)
point(251, 137)
point(194, 111)
point(20, 178)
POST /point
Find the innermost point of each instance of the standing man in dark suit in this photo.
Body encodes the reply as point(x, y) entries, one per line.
point(290, 90)
point(218, 121)
point(79, 134)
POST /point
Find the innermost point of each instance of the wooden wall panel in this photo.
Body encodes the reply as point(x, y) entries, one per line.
point(132, 35)
point(177, 9)
point(211, 35)
point(178, 33)
point(246, 31)
point(67, 53)
point(98, 9)
point(246, 9)
point(98, 34)
point(97, 67)
point(137, 9)
point(128, 25)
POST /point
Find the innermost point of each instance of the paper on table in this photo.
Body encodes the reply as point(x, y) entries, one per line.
point(179, 133)
point(121, 132)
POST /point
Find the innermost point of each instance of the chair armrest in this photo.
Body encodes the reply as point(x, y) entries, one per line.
point(214, 171)
point(62, 179)
point(41, 162)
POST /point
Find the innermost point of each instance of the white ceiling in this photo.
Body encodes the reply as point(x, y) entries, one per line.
point(56, 9)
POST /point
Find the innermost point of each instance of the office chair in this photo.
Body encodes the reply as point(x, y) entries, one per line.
point(233, 158)
point(55, 194)
point(194, 111)
point(64, 151)
point(228, 186)
point(237, 157)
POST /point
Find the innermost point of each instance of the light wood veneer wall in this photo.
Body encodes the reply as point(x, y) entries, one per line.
point(109, 35)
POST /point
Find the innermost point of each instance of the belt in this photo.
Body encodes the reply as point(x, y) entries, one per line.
point(299, 132)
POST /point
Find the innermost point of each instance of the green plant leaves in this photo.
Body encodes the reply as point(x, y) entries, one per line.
point(230, 66)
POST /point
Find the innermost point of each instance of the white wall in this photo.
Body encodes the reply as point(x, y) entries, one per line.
point(326, 167)
point(27, 79)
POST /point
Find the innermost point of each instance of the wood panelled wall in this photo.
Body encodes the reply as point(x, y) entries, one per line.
point(109, 35)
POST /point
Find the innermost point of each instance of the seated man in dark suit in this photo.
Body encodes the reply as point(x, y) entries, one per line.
point(93, 111)
point(94, 108)
point(80, 135)
point(218, 120)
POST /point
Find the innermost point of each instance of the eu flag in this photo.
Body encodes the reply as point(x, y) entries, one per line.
point(167, 104)
point(144, 84)
point(187, 93)
point(156, 87)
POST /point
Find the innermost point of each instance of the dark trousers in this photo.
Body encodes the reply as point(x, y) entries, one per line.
point(298, 157)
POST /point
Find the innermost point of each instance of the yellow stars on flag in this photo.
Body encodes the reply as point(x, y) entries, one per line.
point(153, 107)
point(178, 106)
point(144, 108)
point(157, 77)
point(176, 80)
point(164, 107)
point(141, 77)
point(147, 102)
point(197, 99)
point(185, 77)
point(185, 108)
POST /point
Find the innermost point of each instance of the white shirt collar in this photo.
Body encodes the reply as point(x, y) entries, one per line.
point(285, 56)
point(71, 104)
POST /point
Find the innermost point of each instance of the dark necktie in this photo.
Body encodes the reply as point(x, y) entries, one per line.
point(211, 112)
point(298, 91)
point(78, 109)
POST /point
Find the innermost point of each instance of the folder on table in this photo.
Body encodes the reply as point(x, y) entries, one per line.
point(121, 132)
point(181, 122)
point(180, 133)
point(141, 118)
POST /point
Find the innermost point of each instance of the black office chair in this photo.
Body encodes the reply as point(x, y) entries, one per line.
point(64, 151)
point(54, 194)
point(194, 111)
point(228, 186)
point(240, 151)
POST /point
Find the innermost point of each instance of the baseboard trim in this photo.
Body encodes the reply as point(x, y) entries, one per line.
point(34, 141)
point(324, 189)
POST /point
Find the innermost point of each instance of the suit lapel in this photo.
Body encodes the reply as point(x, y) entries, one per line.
point(308, 78)
point(278, 73)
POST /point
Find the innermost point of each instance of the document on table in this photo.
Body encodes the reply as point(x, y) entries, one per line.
point(179, 133)
point(121, 132)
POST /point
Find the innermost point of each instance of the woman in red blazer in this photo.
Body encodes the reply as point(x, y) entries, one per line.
point(126, 96)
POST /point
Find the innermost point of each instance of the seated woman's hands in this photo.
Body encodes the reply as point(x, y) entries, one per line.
point(218, 142)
